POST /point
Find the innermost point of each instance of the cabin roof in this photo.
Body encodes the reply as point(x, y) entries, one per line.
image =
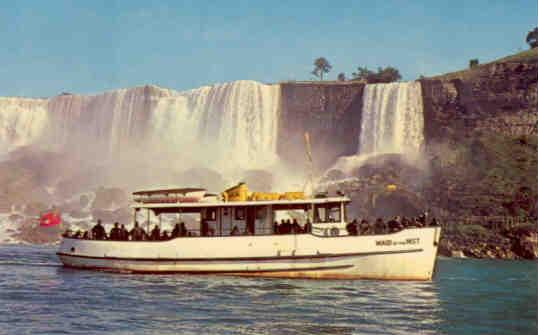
point(202, 204)
point(169, 190)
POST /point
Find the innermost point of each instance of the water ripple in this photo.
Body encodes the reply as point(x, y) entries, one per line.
point(39, 296)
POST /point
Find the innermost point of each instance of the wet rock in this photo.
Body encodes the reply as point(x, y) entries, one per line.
point(31, 232)
point(457, 254)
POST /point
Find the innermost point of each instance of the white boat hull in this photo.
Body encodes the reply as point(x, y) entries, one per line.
point(407, 255)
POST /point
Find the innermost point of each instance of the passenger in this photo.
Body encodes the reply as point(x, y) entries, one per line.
point(287, 227)
point(275, 227)
point(422, 219)
point(394, 225)
point(137, 233)
point(165, 236)
point(405, 222)
point(282, 227)
point(155, 233)
point(235, 231)
point(98, 231)
point(115, 232)
point(352, 228)
point(379, 226)
point(307, 227)
point(434, 222)
point(364, 227)
point(175, 231)
point(295, 228)
point(67, 233)
point(415, 223)
point(86, 235)
point(183, 230)
point(78, 234)
point(124, 234)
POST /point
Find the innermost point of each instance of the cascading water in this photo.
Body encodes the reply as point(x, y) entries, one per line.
point(231, 124)
point(392, 122)
point(228, 123)
point(392, 118)
point(22, 120)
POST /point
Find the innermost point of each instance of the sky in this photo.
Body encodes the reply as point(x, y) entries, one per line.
point(49, 47)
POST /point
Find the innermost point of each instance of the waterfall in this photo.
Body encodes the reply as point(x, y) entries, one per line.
point(392, 118)
point(22, 120)
point(227, 123)
point(392, 121)
point(232, 124)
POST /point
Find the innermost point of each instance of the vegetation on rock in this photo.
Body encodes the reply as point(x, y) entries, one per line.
point(388, 74)
point(532, 38)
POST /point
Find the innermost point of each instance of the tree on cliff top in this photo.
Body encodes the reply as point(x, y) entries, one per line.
point(383, 75)
point(341, 76)
point(321, 66)
point(532, 38)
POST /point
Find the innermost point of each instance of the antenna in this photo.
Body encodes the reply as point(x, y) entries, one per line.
point(310, 177)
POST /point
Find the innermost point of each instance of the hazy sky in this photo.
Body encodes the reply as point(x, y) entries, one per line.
point(92, 46)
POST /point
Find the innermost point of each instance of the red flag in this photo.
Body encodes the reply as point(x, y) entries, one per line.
point(50, 218)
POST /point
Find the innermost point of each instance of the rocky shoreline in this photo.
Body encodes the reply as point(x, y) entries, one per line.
point(512, 244)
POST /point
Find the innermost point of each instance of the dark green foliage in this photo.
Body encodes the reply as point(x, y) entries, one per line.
point(341, 76)
point(532, 38)
point(321, 66)
point(473, 63)
point(388, 74)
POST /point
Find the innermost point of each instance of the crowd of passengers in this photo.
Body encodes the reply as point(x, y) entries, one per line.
point(120, 233)
point(392, 226)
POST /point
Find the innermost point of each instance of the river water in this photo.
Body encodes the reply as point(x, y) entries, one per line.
point(39, 296)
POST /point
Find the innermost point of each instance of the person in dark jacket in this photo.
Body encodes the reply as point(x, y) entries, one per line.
point(364, 227)
point(165, 236)
point(379, 226)
point(115, 232)
point(179, 230)
point(295, 228)
point(137, 233)
point(352, 228)
point(155, 233)
point(98, 231)
point(124, 234)
point(175, 231)
point(394, 225)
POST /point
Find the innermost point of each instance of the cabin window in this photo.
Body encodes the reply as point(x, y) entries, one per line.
point(261, 213)
point(334, 213)
point(327, 213)
point(211, 214)
point(240, 214)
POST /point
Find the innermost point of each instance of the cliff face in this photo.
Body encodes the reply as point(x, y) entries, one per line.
point(482, 143)
point(331, 113)
point(500, 97)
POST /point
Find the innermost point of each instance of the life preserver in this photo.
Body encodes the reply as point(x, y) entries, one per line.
point(335, 231)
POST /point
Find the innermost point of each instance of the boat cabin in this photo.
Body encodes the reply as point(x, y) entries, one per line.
point(243, 213)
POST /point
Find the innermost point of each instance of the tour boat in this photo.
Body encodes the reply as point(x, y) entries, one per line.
point(322, 249)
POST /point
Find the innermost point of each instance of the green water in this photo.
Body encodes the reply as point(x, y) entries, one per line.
point(39, 296)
